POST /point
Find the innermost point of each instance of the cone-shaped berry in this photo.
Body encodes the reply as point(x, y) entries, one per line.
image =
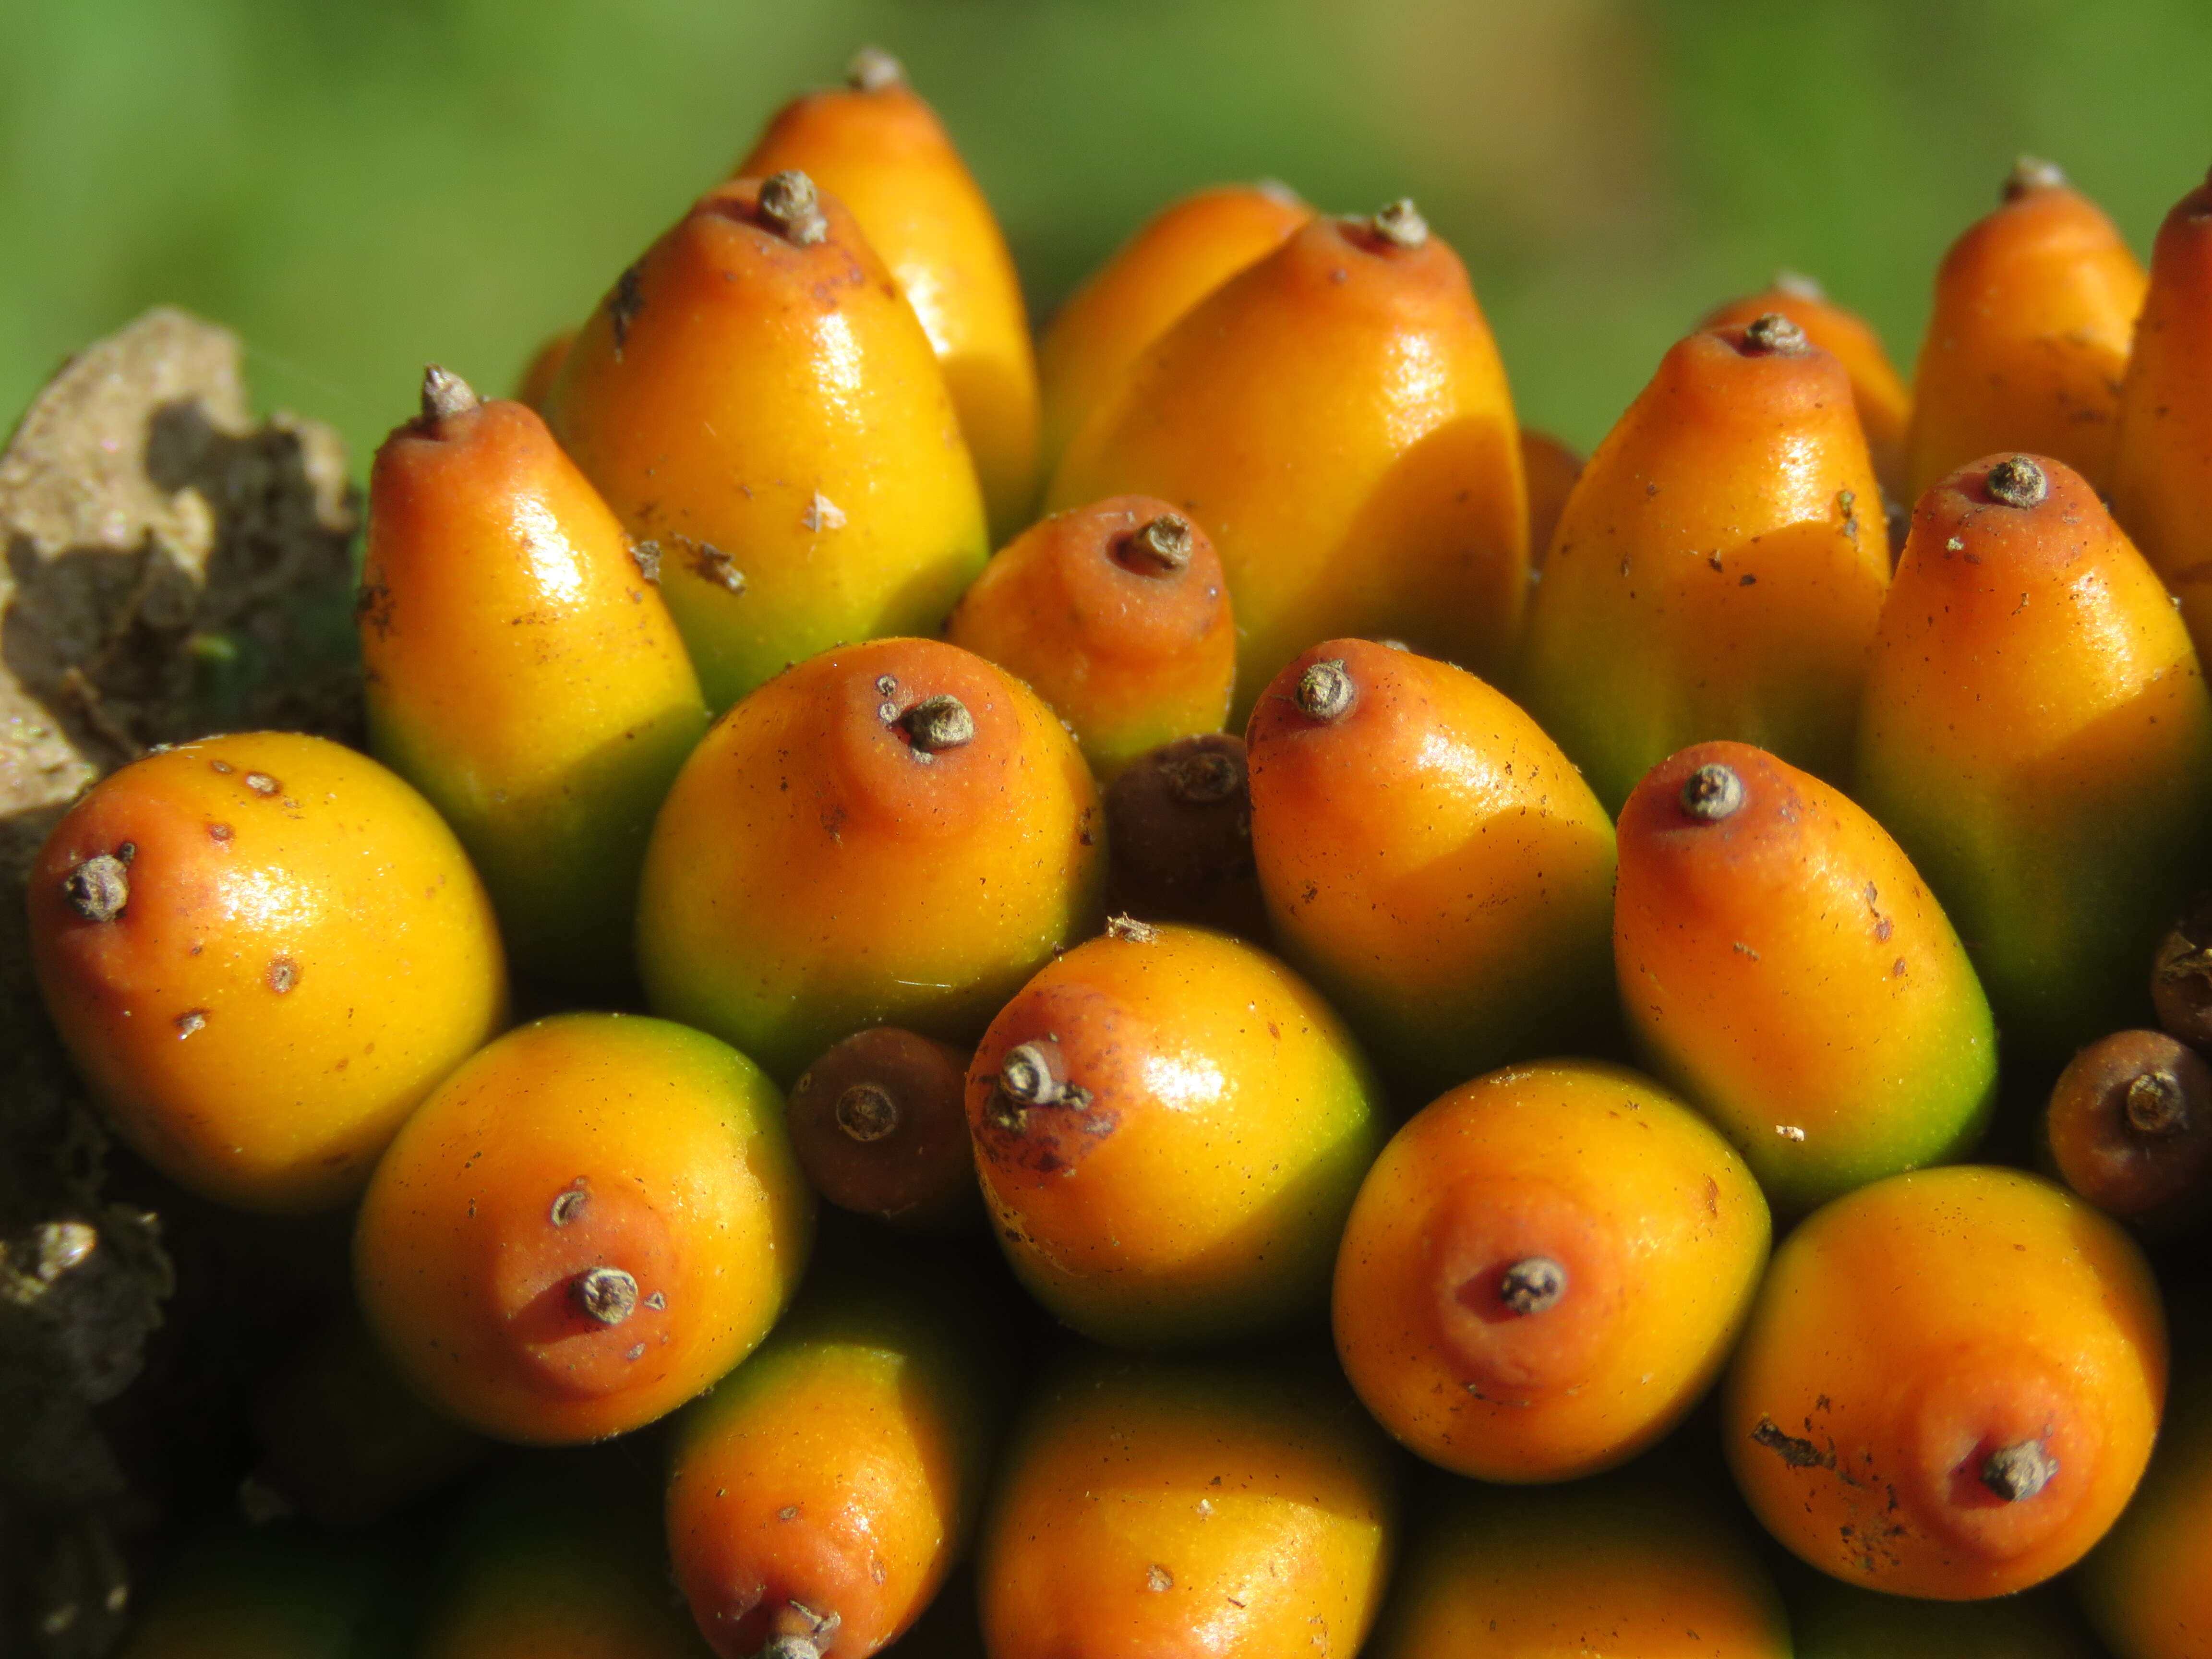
point(2037, 736)
point(263, 951)
point(1783, 964)
point(1337, 419)
point(822, 1492)
point(1719, 569)
point(1117, 614)
point(880, 1126)
point(1170, 1128)
point(1884, 402)
point(2028, 339)
point(763, 412)
point(2130, 1128)
point(523, 672)
point(1545, 1270)
point(1626, 1564)
point(880, 148)
point(1949, 1384)
point(893, 834)
point(1154, 1507)
point(1181, 254)
point(1432, 862)
point(2161, 474)
point(588, 1223)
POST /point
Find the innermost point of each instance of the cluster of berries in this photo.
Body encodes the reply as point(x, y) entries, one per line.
point(933, 884)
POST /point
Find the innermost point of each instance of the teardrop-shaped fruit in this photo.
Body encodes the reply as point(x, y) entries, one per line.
point(262, 952)
point(536, 384)
point(1179, 831)
point(2147, 1587)
point(1545, 1270)
point(823, 1490)
point(558, 1561)
point(1169, 1127)
point(1181, 254)
point(896, 834)
point(880, 148)
point(1879, 394)
point(1783, 964)
point(1718, 570)
point(1337, 420)
point(1152, 1506)
point(1552, 469)
point(2161, 473)
point(1117, 614)
point(592, 1220)
point(880, 1126)
point(1627, 1564)
point(1833, 1620)
point(1949, 1384)
point(760, 409)
point(264, 1597)
point(2130, 1128)
point(2035, 306)
point(523, 672)
point(2037, 736)
point(1432, 860)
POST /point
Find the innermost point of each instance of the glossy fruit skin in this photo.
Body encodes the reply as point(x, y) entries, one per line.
point(917, 1175)
point(579, 1142)
point(2156, 1174)
point(1787, 969)
point(1879, 393)
point(2028, 341)
point(871, 1414)
point(1344, 498)
point(557, 1561)
point(1833, 1620)
point(1623, 1565)
point(883, 153)
point(523, 674)
point(2037, 736)
point(1552, 469)
point(306, 953)
point(771, 419)
point(1908, 1331)
point(2162, 471)
point(812, 873)
point(1129, 654)
point(1658, 1225)
point(1718, 572)
point(2147, 1587)
point(1194, 1193)
point(1178, 257)
point(1152, 1506)
point(1434, 864)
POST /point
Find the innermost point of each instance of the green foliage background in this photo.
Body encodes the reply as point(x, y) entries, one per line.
point(361, 185)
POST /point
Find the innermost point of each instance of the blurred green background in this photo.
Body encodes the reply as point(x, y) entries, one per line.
point(361, 186)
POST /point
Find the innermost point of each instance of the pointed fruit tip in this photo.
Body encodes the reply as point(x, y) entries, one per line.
point(1325, 690)
point(1774, 335)
point(791, 207)
point(1712, 792)
point(874, 69)
point(1400, 225)
point(446, 394)
point(2018, 481)
point(2031, 173)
